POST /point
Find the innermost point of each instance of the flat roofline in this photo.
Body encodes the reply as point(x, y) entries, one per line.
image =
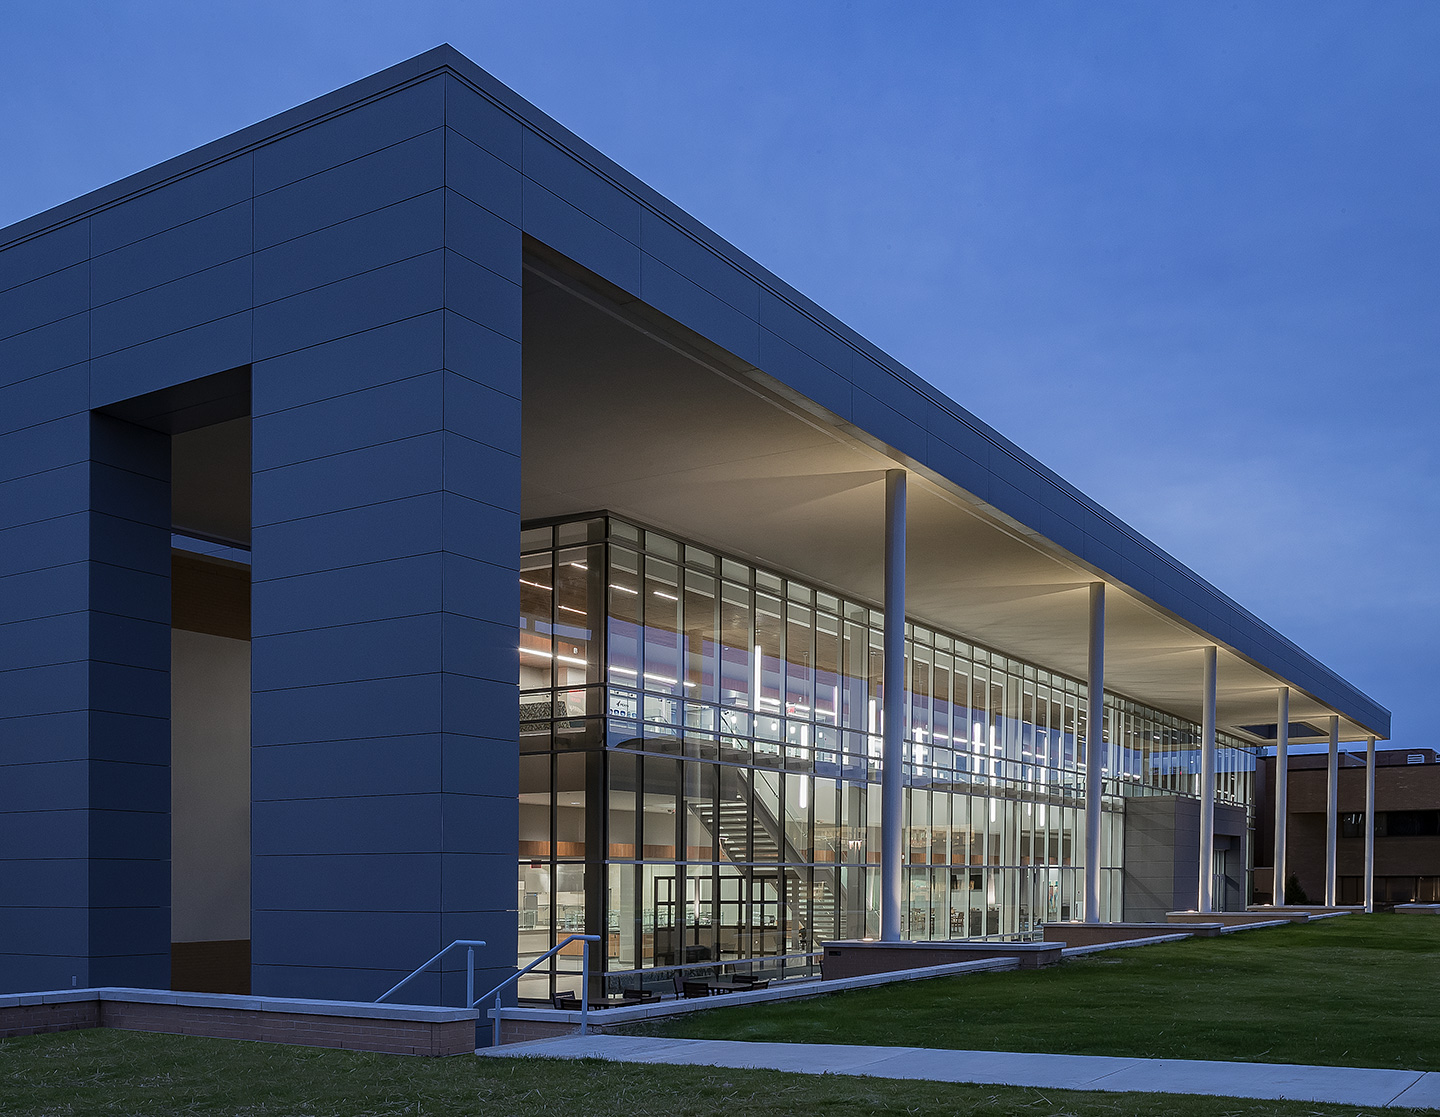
point(1193, 599)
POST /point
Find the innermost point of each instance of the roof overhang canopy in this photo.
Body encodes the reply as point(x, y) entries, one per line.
point(625, 411)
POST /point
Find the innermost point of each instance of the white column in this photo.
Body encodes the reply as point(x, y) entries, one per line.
point(1370, 824)
point(892, 792)
point(1282, 782)
point(1207, 788)
point(1094, 751)
point(1332, 809)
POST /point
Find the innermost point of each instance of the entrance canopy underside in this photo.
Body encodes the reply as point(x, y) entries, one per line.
point(623, 411)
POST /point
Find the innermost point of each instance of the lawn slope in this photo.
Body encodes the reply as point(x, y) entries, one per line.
point(1351, 991)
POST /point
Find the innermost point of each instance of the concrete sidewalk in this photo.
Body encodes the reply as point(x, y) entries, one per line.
point(1340, 1085)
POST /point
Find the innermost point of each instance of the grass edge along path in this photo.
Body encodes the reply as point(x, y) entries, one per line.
point(136, 1074)
point(1351, 991)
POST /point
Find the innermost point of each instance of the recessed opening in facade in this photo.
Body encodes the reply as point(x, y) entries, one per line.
point(210, 708)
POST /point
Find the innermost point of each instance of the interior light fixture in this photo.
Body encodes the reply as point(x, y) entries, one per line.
point(536, 651)
point(624, 589)
point(661, 679)
point(571, 659)
point(666, 596)
point(622, 671)
point(572, 609)
point(579, 566)
point(535, 585)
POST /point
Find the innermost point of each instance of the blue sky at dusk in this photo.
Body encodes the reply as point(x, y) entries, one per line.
point(1187, 254)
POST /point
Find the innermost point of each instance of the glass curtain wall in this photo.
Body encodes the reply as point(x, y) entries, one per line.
point(700, 766)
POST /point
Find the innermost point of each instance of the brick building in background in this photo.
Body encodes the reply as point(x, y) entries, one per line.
point(1407, 831)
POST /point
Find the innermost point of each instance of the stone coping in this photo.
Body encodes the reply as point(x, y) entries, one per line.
point(646, 1010)
point(1089, 934)
point(242, 1003)
point(947, 944)
point(1060, 928)
point(1237, 927)
point(1232, 918)
point(1097, 947)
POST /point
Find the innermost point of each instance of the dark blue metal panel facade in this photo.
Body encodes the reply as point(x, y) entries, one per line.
point(85, 695)
point(361, 254)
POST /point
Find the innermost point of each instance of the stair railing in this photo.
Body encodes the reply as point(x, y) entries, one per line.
point(585, 941)
point(470, 944)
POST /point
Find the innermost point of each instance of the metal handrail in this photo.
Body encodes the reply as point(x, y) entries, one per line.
point(585, 941)
point(469, 970)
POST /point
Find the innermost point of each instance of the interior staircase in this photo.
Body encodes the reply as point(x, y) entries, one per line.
point(766, 852)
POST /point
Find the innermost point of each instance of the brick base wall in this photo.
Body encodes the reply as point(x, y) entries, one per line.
point(351, 1033)
point(852, 959)
point(1235, 918)
point(522, 1031)
point(1094, 934)
point(34, 1020)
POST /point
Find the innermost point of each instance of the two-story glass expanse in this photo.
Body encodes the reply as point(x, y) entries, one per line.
point(700, 765)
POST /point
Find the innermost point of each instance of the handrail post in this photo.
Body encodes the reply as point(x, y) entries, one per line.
point(515, 977)
point(584, 986)
point(421, 969)
point(469, 976)
point(495, 1028)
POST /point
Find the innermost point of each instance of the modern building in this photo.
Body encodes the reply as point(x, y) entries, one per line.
point(294, 429)
point(1405, 858)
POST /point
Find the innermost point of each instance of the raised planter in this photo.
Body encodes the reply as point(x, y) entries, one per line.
point(354, 1026)
point(856, 957)
point(1091, 934)
point(1239, 918)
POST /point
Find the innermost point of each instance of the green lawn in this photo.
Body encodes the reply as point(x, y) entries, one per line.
point(1352, 991)
point(132, 1074)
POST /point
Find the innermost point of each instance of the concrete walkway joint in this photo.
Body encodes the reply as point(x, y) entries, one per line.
point(1275, 1081)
